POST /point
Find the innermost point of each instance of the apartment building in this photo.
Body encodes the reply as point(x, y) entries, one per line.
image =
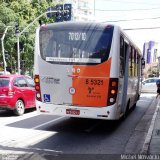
point(151, 54)
point(82, 10)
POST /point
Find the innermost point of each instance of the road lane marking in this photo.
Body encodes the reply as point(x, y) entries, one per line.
point(8, 120)
point(33, 140)
point(43, 124)
point(46, 150)
point(28, 136)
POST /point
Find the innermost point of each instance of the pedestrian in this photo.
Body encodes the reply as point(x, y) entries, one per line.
point(158, 88)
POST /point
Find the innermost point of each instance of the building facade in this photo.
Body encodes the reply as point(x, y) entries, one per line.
point(82, 10)
point(151, 54)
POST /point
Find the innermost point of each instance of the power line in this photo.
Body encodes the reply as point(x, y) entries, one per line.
point(142, 3)
point(124, 10)
point(129, 29)
point(138, 19)
point(119, 10)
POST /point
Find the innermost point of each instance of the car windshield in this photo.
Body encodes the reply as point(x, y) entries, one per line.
point(4, 82)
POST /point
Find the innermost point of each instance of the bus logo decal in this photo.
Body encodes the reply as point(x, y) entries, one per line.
point(50, 80)
point(47, 98)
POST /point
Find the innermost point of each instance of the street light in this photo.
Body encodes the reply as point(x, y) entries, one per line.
point(50, 10)
point(19, 34)
point(3, 50)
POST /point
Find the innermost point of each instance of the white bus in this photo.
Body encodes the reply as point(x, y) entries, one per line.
point(86, 70)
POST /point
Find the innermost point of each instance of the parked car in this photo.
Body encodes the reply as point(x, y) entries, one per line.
point(2, 72)
point(17, 93)
point(149, 85)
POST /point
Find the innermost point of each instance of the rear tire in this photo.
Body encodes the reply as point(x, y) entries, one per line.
point(19, 110)
point(126, 111)
point(134, 106)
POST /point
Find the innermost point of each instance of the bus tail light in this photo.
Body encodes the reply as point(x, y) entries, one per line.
point(37, 87)
point(112, 91)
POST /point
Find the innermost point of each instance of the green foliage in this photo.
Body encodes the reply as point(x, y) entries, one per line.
point(24, 12)
point(153, 72)
point(7, 15)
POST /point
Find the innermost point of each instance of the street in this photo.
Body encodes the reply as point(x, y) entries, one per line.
point(47, 134)
point(85, 59)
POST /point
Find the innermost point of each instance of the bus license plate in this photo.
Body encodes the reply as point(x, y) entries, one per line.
point(73, 111)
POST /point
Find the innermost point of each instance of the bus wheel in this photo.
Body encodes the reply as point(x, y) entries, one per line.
point(134, 106)
point(127, 109)
point(19, 110)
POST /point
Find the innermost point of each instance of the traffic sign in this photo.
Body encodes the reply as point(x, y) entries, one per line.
point(51, 14)
point(61, 12)
point(67, 12)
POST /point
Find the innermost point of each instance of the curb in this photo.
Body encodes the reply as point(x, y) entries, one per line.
point(147, 141)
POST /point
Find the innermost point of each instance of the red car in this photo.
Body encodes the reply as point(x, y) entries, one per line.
point(17, 93)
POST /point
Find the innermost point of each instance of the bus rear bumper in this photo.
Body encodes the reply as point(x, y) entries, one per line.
point(107, 113)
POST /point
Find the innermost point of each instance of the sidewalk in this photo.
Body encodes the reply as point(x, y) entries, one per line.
point(154, 146)
point(152, 141)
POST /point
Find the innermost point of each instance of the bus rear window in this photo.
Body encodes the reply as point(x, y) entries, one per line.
point(77, 46)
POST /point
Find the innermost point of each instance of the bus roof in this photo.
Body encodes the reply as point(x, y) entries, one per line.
point(86, 25)
point(76, 24)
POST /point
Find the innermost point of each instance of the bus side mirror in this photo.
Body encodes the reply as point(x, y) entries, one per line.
point(143, 63)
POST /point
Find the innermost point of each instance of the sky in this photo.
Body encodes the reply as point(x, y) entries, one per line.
point(129, 10)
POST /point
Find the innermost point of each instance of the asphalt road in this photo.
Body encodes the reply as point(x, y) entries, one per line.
point(62, 135)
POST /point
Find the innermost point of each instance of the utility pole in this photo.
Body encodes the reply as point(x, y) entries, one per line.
point(18, 52)
point(3, 50)
point(18, 55)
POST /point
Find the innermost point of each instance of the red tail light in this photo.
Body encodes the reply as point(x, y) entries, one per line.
point(37, 87)
point(4, 90)
point(112, 91)
point(8, 91)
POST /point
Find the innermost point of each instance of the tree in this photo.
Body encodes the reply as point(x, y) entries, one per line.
point(23, 12)
point(7, 17)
